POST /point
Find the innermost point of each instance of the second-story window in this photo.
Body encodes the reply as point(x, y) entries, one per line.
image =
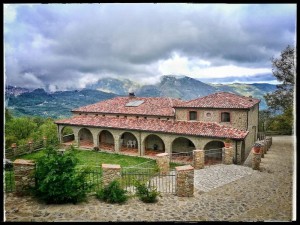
point(225, 117)
point(193, 115)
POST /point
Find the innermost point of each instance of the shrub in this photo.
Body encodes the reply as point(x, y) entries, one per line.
point(57, 179)
point(146, 194)
point(112, 193)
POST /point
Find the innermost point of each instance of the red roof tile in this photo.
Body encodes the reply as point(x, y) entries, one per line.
point(150, 106)
point(155, 125)
point(221, 100)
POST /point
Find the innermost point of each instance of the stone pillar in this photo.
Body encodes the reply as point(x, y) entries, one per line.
point(228, 156)
point(30, 144)
point(110, 172)
point(45, 141)
point(24, 171)
point(198, 159)
point(14, 148)
point(262, 149)
point(163, 163)
point(256, 159)
point(184, 181)
point(265, 146)
point(117, 143)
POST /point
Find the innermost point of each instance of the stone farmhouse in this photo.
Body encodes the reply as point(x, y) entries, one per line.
point(161, 124)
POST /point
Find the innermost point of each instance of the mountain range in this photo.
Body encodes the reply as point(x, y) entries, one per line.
point(38, 102)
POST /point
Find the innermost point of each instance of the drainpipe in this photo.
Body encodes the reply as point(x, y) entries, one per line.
point(235, 152)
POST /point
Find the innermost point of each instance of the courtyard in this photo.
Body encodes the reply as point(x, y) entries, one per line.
point(265, 195)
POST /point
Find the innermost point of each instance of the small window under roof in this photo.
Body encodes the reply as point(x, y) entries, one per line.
point(135, 103)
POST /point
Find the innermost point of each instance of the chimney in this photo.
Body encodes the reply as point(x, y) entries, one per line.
point(131, 95)
point(250, 96)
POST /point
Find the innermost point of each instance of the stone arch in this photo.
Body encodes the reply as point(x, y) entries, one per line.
point(129, 142)
point(213, 152)
point(182, 144)
point(67, 135)
point(85, 138)
point(154, 144)
point(106, 140)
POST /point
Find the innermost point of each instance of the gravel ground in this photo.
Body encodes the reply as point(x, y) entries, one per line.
point(222, 193)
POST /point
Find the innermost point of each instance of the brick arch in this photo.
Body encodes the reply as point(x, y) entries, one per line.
point(182, 144)
point(85, 138)
point(154, 144)
point(106, 140)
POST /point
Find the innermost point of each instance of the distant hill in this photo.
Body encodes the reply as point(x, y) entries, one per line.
point(59, 104)
point(56, 105)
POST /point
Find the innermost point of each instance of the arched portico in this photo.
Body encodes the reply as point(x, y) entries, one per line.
point(106, 141)
point(129, 143)
point(182, 144)
point(213, 152)
point(67, 135)
point(153, 145)
point(85, 138)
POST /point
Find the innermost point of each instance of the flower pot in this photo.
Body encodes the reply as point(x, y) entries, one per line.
point(256, 149)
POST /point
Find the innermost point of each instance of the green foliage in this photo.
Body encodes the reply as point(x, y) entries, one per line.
point(67, 130)
point(284, 70)
point(57, 179)
point(146, 194)
point(112, 193)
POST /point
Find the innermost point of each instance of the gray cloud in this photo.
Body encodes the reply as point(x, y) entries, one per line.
point(61, 44)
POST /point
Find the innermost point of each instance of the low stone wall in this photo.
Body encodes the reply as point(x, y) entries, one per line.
point(24, 171)
point(198, 159)
point(185, 181)
point(163, 163)
point(110, 172)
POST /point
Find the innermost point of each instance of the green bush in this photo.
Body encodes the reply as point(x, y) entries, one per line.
point(112, 193)
point(146, 194)
point(57, 179)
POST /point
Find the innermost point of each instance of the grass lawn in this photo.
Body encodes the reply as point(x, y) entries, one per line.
point(92, 158)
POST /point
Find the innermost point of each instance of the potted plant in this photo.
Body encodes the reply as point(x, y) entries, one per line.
point(227, 143)
point(256, 147)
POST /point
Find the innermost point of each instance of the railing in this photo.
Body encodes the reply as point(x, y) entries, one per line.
point(68, 138)
point(182, 157)
point(213, 156)
point(261, 135)
point(94, 181)
point(9, 181)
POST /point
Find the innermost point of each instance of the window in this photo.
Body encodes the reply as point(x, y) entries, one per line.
point(208, 114)
point(193, 115)
point(225, 117)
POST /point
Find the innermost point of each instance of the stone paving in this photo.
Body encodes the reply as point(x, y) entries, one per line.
point(222, 193)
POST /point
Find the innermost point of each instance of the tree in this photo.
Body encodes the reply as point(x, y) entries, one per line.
point(284, 71)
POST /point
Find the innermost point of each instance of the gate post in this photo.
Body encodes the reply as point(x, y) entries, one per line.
point(228, 156)
point(184, 181)
point(256, 159)
point(24, 171)
point(110, 172)
point(163, 163)
point(198, 159)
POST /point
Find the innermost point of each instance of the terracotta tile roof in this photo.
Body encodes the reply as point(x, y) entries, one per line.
point(221, 100)
point(155, 125)
point(150, 106)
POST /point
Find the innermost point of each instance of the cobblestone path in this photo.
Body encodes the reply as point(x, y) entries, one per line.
point(222, 193)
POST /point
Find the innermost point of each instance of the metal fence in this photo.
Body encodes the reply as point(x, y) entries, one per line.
point(213, 156)
point(9, 180)
point(94, 181)
point(148, 174)
point(182, 157)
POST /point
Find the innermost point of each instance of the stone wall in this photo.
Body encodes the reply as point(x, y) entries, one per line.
point(110, 172)
point(184, 181)
point(24, 171)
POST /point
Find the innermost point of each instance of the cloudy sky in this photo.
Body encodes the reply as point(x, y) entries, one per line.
point(67, 46)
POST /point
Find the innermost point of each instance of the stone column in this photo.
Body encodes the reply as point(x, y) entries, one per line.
point(14, 148)
point(45, 141)
point(184, 181)
point(24, 171)
point(163, 163)
point(256, 159)
point(198, 159)
point(30, 144)
point(117, 143)
point(228, 156)
point(110, 172)
point(262, 149)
